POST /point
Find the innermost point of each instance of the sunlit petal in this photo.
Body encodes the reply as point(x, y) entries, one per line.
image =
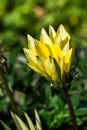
point(62, 37)
point(44, 38)
point(42, 49)
point(68, 56)
point(31, 42)
point(52, 33)
point(51, 56)
point(66, 48)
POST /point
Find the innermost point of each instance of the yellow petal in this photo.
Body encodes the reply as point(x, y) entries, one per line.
point(34, 67)
point(66, 48)
point(68, 60)
point(51, 57)
point(31, 56)
point(26, 53)
point(62, 33)
point(51, 69)
point(57, 65)
point(42, 49)
point(31, 44)
point(52, 33)
point(62, 37)
point(58, 51)
point(62, 63)
point(68, 56)
point(47, 64)
point(54, 72)
point(44, 38)
point(67, 67)
point(35, 63)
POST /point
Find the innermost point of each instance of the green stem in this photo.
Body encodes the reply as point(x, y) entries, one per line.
point(8, 90)
point(71, 110)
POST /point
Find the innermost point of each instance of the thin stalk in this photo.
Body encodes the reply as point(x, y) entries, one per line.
point(3, 79)
point(71, 110)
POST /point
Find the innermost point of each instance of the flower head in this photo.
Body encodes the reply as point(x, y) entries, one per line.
point(51, 56)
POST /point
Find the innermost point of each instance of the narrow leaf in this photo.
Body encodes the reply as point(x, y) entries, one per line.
point(31, 125)
point(4, 125)
point(15, 121)
point(21, 123)
point(38, 122)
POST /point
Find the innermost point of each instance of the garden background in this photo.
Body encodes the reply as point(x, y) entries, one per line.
point(19, 18)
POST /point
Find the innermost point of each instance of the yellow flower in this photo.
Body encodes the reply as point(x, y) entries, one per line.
point(51, 56)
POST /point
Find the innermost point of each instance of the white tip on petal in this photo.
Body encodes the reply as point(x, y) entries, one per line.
point(30, 42)
point(63, 32)
point(30, 39)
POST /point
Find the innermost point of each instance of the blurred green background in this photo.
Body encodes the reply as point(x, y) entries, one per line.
point(21, 17)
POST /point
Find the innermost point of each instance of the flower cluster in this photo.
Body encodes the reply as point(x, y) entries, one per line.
point(51, 56)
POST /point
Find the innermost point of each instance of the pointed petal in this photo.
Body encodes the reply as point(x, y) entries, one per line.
point(44, 38)
point(63, 33)
point(52, 33)
point(68, 60)
point(34, 67)
point(42, 49)
point(51, 69)
point(62, 37)
point(31, 42)
point(31, 55)
point(66, 48)
point(38, 67)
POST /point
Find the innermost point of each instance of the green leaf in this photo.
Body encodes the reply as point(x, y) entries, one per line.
point(15, 121)
point(22, 124)
point(19, 123)
point(81, 111)
point(38, 122)
point(4, 125)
